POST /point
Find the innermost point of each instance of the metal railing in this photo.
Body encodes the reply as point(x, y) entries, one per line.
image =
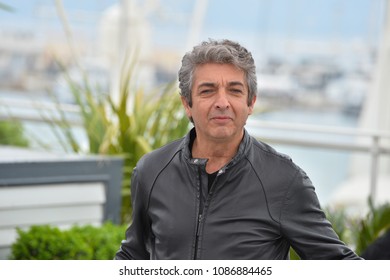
point(373, 147)
point(38, 111)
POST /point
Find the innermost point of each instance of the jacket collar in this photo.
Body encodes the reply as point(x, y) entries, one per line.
point(190, 137)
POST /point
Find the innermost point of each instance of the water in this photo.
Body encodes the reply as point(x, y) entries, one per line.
point(326, 168)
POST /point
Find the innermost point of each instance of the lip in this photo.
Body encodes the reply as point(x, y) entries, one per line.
point(221, 119)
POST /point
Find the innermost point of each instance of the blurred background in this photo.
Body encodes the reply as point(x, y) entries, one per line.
point(322, 67)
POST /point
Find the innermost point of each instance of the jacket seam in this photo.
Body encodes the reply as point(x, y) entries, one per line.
point(155, 179)
point(154, 183)
point(281, 157)
point(285, 199)
point(262, 188)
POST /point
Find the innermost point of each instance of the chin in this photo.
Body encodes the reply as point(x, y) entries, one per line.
point(223, 134)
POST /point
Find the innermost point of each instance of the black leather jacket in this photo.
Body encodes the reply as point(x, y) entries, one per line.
point(259, 205)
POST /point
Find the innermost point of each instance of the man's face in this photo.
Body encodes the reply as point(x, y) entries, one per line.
point(219, 102)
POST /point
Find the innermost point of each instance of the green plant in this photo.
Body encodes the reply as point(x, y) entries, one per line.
point(49, 243)
point(343, 224)
point(360, 232)
point(137, 123)
point(294, 255)
point(46, 242)
point(11, 133)
point(376, 222)
point(357, 232)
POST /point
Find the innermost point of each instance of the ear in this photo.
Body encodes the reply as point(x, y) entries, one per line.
point(186, 107)
point(252, 105)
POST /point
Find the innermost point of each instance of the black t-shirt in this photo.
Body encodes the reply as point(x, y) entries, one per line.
point(211, 178)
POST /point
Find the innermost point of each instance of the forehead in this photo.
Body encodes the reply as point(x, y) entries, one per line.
point(216, 72)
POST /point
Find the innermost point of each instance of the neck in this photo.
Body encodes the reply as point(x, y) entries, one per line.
point(218, 153)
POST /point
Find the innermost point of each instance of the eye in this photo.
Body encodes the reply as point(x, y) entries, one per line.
point(236, 91)
point(206, 91)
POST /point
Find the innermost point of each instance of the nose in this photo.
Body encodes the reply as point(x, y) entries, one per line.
point(222, 101)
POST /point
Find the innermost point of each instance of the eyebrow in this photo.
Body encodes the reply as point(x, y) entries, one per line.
point(236, 83)
point(207, 84)
point(210, 84)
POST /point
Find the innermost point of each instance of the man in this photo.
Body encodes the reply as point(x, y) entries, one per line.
point(218, 193)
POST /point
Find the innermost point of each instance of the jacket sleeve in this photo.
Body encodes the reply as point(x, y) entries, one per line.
point(134, 247)
point(305, 225)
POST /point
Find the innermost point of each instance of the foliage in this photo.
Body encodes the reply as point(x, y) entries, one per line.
point(360, 232)
point(357, 232)
point(137, 123)
point(376, 223)
point(294, 255)
point(343, 224)
point(100, 243)
point(45, 242)
point(11, 133)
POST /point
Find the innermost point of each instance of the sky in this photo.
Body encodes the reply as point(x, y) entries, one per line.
point(255, 23)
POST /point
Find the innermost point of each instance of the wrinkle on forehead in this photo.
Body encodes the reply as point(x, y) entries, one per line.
point(225, 74)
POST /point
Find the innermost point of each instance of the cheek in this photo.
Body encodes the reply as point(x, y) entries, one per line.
point(200, 109)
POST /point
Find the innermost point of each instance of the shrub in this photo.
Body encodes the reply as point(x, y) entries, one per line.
point(11, 133)
point(374, 225)
point(358, 232)
point(135, 124)
point(46, 242)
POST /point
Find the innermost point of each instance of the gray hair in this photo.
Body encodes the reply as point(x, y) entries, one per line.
point(223, 52)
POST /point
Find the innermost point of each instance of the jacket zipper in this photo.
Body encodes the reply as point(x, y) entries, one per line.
point(197, 236)
point(200, 212)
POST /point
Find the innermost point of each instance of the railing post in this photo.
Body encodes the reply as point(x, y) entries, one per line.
point(374, 167)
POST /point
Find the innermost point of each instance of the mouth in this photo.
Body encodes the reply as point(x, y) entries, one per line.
point(221, 119)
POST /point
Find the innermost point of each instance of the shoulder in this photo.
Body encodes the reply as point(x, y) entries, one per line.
point(277, 173)
point(275, 170)
point(265, 156)
point(150, 166)
point(156, 160)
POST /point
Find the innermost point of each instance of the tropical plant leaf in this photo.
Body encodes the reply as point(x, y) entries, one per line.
point(134, 124)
